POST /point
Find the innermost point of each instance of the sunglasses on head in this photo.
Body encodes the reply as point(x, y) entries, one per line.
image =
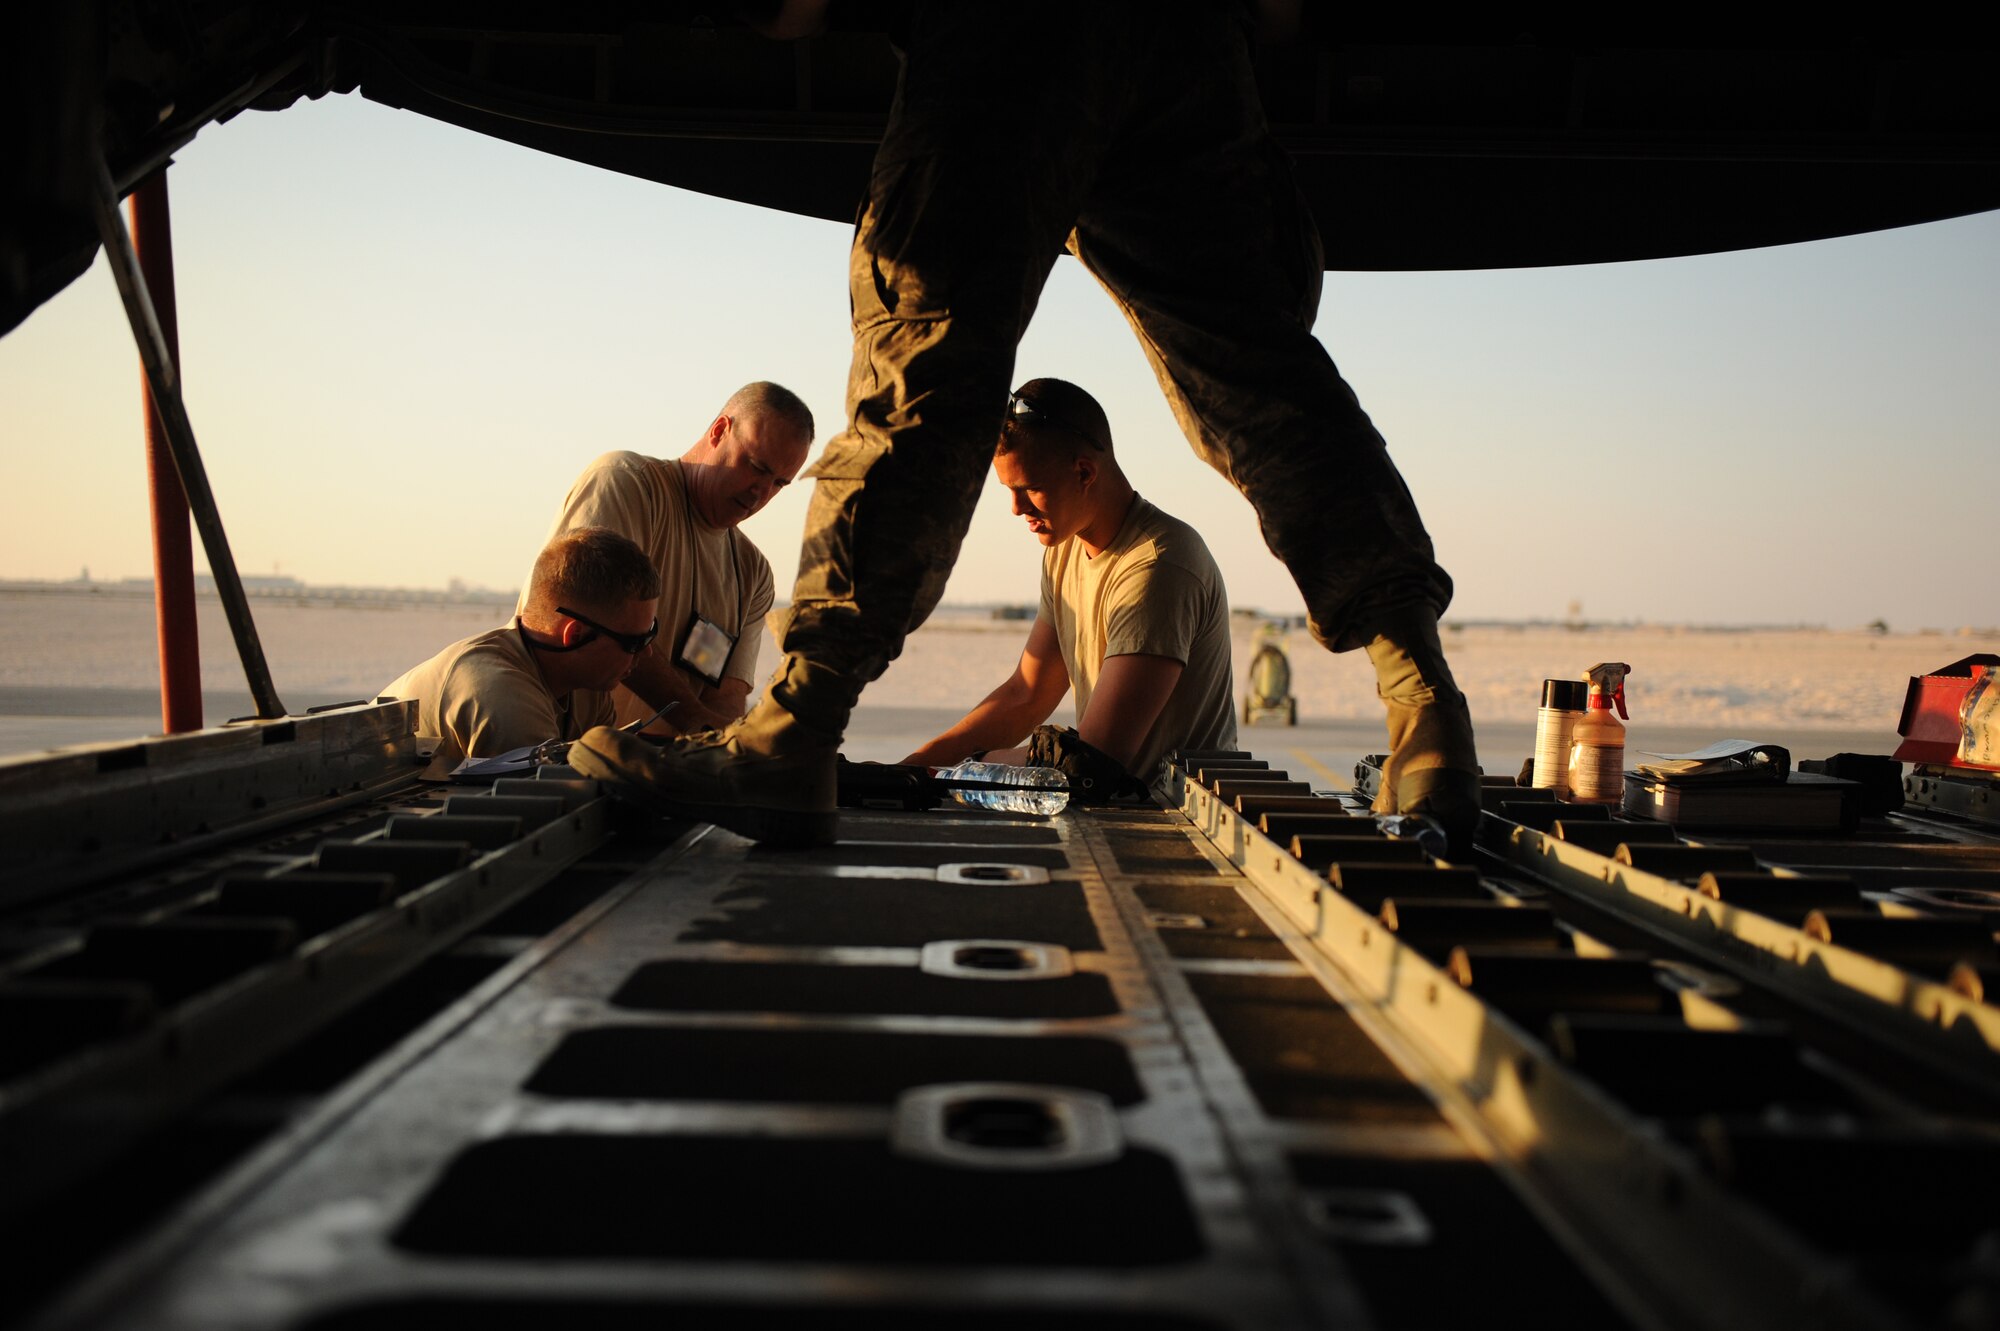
point(1020, 409)
point(631, 642)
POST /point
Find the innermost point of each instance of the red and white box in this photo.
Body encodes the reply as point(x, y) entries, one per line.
point(1951, 717)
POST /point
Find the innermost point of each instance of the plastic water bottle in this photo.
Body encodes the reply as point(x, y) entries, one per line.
point(1426, 832)
point(1041, 790)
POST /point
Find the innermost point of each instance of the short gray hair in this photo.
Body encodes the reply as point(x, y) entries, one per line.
point(765, 399)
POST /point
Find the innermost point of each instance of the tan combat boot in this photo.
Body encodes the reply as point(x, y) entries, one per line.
point(770, 776)
point(1433, 766)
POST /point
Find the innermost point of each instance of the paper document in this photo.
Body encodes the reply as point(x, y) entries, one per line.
point(1730, 760)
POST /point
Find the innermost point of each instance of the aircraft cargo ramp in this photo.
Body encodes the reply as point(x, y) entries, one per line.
point(295, 1041)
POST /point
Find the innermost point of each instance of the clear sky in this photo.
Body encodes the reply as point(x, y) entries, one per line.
point(402, 340)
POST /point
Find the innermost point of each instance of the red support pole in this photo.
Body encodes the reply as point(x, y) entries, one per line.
point(173, 548)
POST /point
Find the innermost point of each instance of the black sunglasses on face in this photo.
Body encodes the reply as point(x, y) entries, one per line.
point(631, 642)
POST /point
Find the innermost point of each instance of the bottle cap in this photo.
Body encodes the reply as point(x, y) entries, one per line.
point(1567, 695)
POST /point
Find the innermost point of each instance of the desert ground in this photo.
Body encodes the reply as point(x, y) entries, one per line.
point(81, 667)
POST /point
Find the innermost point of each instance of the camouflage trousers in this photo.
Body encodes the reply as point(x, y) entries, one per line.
point(1132, 135)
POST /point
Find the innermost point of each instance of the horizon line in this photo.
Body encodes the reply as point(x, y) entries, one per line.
point(279, 586)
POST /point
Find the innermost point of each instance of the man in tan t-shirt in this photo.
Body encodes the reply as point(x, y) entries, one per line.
point(1133, 615)
point(590, 609)
point(715, 585)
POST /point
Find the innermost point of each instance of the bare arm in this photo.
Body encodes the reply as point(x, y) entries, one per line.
point(1007, 714)
point(1128, 699)
point(730, 698)
point(660, 682)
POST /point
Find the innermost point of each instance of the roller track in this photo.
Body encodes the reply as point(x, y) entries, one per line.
point(1248, 1063)
point(1756, 1072)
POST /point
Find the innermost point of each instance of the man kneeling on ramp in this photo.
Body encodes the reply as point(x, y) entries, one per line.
point(1133, 615)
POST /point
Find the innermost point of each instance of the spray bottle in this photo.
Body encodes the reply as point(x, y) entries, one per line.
point(1597, 752)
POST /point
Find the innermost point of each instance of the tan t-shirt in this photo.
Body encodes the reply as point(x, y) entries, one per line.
point(484, 695)
point(713, 571)
point(1153, 591)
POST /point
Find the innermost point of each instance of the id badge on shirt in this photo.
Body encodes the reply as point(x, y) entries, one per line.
point(705, 649)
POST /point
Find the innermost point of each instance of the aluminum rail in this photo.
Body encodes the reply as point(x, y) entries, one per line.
point(1683, 1251)
point(1953, 1033)
point(263, 947)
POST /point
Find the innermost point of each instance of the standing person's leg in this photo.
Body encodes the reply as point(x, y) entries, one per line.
point(994, 140)
point(1199, 234)
point(1001, 120)
point(948, 261)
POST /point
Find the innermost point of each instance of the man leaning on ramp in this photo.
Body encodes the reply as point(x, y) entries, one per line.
point(716, 585)
point(590, 608)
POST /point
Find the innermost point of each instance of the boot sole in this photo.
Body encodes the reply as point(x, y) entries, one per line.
point(783, 829)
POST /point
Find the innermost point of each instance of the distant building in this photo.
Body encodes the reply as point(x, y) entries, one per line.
point(270, 584)
point(281, 587)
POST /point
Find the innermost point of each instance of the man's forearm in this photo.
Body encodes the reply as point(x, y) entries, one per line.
point(1005, 716)
point(659, 682)
point(994, 724)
